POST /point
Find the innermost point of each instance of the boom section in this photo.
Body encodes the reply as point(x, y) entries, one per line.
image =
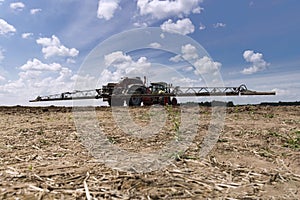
point(75, 95)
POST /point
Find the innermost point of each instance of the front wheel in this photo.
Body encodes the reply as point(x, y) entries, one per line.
point(174, 101)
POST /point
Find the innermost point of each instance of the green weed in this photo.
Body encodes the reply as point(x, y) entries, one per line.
point(40, 132)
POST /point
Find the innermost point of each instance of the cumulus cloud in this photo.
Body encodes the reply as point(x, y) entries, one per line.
point(1, 1)
point(203, 65)
point(18, 6)
point(176, 58)
point(53, 47)
point(189, 52)
point(183, 27)
point(162, 9)
point(155, 45)
point(6, 28)
point(119, 65)
point(107, 8)
point(257, 61)
point(38, 78)
point(26, 35)
point(202, 27)
point(35, 11)
point(36, 64)
point(140, 24)
point(206, 65)
point(219, 25)
point(185, 81)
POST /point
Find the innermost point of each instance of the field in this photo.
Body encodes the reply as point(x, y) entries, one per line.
point(257, 156)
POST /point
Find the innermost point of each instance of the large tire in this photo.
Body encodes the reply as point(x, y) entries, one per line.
point(174, 101)
point(135, 101)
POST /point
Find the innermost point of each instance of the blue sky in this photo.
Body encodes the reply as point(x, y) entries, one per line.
point(44, 44)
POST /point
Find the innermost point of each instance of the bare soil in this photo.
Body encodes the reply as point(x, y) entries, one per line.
point(256, 157)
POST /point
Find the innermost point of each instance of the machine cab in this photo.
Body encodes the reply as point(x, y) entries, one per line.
point(159, 87)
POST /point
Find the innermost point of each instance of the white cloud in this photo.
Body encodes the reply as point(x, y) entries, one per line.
point(140, 24)
point(26, 35)
point(155, 45)
point(184, 81)
point(36, 64)
point(107, 8)
point(162, 9)
point(202, 27)
point(257, 61)
point(188, 68)
point(219, 25)
point(189, 53)
point(1, 54)
point(1, 1)
point(52, 47)
point(117, 58)
point(71, 61)
point(183, 27)
point(38, 78)
point(176, 58)
point(2, 78)
point(35, 11)
point(18, 6)
point(206, 65)
point(6, 28)
point(203, 65)
point(119, 65)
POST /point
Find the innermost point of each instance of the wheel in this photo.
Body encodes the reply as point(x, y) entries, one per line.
point(135, 101)
point(174, 101)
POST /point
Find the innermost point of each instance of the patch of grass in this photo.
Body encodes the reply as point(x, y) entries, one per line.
point(59, 155)
point(180, 155)
point(40, 132)
point(265, 153)
point(222, 140)
point(44, 142)
point(293, 141)
point(275, 134)
point(112, 140)
point(269, 115)
point(23, 130)
point(236, 109)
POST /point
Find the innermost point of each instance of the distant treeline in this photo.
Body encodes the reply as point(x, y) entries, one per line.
point(209, 104)
point(231, 104)
point(296, 103)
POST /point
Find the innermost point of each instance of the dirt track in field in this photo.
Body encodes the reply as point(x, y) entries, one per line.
point(256, 157)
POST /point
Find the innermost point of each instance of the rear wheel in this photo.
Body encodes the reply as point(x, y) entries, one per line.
point(136, 101)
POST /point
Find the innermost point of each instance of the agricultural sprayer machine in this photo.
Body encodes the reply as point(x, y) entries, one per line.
point(135, 92)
